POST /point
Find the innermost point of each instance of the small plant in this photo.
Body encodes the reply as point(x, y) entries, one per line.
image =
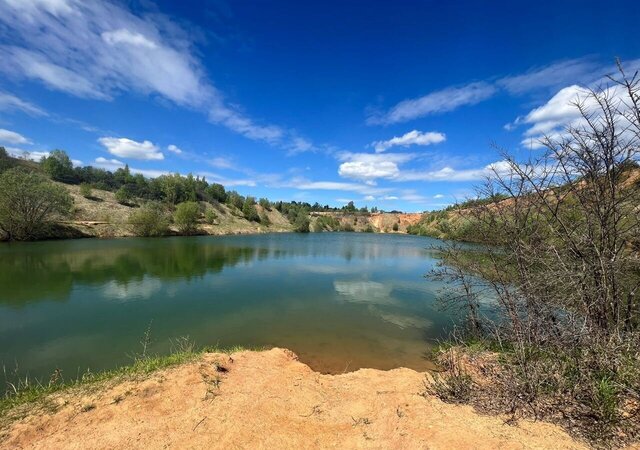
point(85, 190)
point(210, 216)
point(124, 196)
point(395, 226)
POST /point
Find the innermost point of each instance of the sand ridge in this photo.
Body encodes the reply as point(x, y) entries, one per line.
point(269, 400)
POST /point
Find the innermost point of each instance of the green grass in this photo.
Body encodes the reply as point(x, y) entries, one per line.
point(28, 391)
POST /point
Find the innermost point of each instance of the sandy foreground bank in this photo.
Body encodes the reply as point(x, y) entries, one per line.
point(268, 400)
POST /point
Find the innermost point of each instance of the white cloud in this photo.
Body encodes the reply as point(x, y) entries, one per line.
point(367, 166)
point(221, 163)
point(127, 148)
point(562, 73)
point(436, 102)
point(363, 189)
point(438, 196)
point(26, 154)
point(300, 145)
point(114, 164)
point(369, 198)
point(174, 149)
point(10, 102)
point(109, 164)
point(98, 50)
point(451, 174)
point(11, 137)
point(414, 137)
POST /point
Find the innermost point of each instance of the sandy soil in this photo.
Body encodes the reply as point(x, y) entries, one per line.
point(268, 400)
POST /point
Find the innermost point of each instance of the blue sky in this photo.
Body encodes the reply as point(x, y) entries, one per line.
point(392, 104)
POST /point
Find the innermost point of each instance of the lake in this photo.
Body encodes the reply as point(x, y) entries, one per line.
point(341, 301)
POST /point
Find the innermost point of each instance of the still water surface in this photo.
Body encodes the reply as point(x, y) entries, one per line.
point(340, 301)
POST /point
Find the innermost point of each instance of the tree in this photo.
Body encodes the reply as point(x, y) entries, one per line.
point(29, 204)
point(350, 207)
point(235, 199)
point(217, 192)
point(301, 223)
point(58, 166)
point(150, 220)
point(5, 160)
point(265, 203)
point(249, 210)
point(210, 216)
point(186, 217)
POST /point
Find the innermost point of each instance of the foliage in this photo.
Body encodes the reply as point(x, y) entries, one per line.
point(210, 216)
point(328, 223)
point(217, 192)
point(186, 217)
point(560, 260)
point(249, 210)
point(265, 203)
point(395, 226)
point(124, 195)
point(29, 204)
point(234, 199)
point(301, 223)
point(58, 166)
point(85, 190)
point(6, 162)
point(149, 221)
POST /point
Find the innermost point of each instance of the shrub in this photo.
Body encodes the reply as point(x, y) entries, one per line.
point(29, 203)
point(264, 220)
point(124, 196)
point(85, 190)
point(301, 224)
point(150, 220)
point(210, 216)
point(265, 203)
point(395, 226)
point(186, 217)
point(59, 167)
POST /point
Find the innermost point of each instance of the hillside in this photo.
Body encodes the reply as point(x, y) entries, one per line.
point(102, 216)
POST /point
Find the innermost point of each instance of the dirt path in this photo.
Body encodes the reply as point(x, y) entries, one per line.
point(270, 400)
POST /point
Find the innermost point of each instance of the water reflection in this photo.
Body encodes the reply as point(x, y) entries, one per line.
point(336, 299)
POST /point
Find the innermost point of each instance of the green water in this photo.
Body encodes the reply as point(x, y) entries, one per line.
point(340, 301)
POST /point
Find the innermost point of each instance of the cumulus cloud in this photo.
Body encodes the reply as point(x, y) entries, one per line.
point(367, 166)
point(437, 102)
point(127, 148)
point(174, 149)
point(414, 137)
point(11, 137)
point(114, 164)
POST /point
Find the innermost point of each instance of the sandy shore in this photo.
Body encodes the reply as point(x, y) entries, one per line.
point(267, 400)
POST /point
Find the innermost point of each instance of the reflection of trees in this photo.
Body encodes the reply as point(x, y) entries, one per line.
point(49, 270)
point(42, 275)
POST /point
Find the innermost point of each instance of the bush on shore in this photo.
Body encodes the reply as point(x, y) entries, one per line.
point(30, 204)
point(186, 217)
point(150, 220)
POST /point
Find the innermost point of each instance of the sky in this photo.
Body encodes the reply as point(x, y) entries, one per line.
point(402, 105)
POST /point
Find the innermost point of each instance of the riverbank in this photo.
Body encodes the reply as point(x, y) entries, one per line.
point(264, 399)
point(102, 216)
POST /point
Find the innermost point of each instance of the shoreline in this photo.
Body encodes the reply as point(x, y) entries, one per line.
point(262, 398)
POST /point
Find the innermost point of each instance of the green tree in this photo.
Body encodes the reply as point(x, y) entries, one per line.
point(265, 203)
point(217, 192)
point(249, 210)
point(29, 204)
point(301, 224)
point(235, 199)
point(58, 166)
point(5, 160)
point(149, 220)
point(186, 217)
point(210, 216)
